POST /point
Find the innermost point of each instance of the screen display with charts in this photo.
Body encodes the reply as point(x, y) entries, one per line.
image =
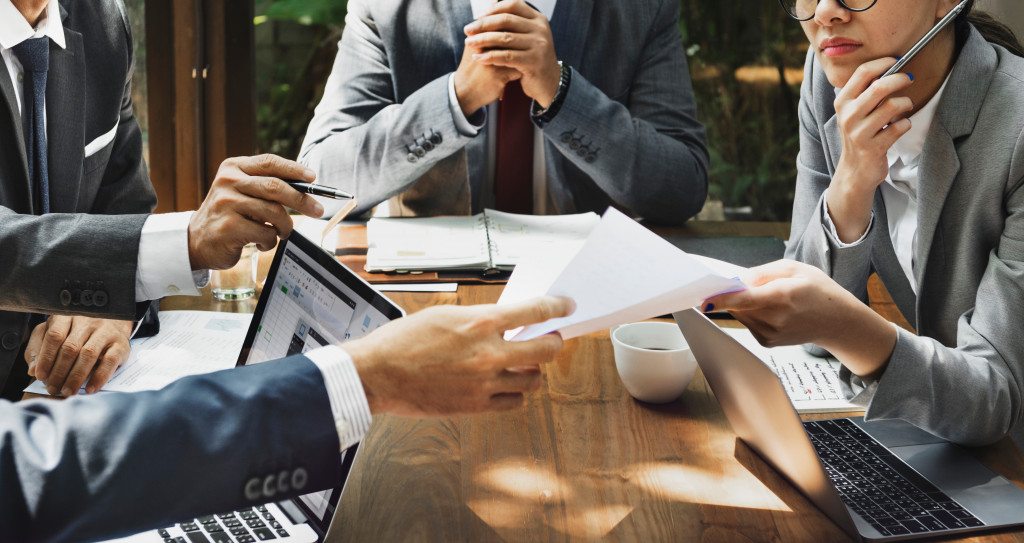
point(311, 300)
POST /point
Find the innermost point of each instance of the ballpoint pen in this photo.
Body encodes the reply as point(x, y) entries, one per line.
point(927, 38)
point(319, 190)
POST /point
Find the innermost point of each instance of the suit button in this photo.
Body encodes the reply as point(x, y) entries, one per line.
point(436, 138)
point(582, 151)
point(412, 157)
point(65, 297)
point(86, 299)
point(574, 145)
point(76, 295)
point(566, 137)
point(418, 151)
point(99, 298)
point(591, 159)
point(10, 341)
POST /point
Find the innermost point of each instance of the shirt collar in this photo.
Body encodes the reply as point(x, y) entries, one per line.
point(14, 29)
point(547, 7)
point(908, 148)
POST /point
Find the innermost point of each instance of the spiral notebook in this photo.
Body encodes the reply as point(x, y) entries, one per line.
point(488, 242)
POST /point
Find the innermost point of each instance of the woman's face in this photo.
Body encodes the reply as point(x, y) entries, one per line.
point(844, 39)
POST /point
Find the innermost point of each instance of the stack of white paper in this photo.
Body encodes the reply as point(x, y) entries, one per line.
point(622, 273)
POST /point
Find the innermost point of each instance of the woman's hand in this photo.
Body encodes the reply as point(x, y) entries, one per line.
point(870, 120)
point(790, 303)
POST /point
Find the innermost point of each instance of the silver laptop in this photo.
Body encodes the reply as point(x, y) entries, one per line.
point(309, 300)
point(879, 480)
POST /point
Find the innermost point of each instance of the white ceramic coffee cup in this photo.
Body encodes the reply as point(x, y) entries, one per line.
point(653, 360)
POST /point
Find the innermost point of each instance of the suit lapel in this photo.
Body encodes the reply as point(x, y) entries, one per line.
point(65, 125)
point(15, 164)
point(956, 116)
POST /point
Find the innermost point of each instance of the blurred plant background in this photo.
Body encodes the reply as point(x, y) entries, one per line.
point(746, 63)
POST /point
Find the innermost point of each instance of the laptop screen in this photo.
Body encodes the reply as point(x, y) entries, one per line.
point(311, 300)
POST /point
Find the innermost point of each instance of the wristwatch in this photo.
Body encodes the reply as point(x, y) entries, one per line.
point(544, 116)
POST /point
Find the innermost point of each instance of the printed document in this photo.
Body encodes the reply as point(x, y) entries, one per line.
point(189, 343)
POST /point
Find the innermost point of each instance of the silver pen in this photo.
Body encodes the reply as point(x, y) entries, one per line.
point(319, 190)
point(927, 38)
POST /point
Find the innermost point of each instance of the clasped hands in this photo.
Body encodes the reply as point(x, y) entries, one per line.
point(510, 42)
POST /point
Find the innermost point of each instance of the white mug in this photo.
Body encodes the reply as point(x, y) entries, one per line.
point(653, 359)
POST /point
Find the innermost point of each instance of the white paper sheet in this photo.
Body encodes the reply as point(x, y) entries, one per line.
point(812, 383)
point(189, 343)
point(623, 273)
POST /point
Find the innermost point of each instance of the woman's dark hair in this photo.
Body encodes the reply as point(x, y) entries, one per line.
point(992, 30)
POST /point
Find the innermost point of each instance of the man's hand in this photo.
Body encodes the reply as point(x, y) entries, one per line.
point(476, 84)
point(449, 360)
point(246, 204)
point(63, 351)
point(516, 36)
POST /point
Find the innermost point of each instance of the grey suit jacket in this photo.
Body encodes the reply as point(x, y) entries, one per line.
point(627, 134)
point(962, 376)
point(88, 95)
point(112, 464)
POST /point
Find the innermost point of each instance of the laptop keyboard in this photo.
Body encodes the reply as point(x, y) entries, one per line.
point(242, 526)
point(881, 488)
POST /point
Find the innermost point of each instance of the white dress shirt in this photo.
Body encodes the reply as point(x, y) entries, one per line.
point(899, 190)
point(164, 268)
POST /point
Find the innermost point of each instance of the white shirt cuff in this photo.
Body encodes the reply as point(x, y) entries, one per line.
point(826, 220)
point(465, 127)
point(345, 391)
point(164, 268)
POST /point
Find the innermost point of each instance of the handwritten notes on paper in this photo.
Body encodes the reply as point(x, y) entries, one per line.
point(622, 273)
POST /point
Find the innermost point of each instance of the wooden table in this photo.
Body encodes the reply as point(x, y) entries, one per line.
point(582, 460)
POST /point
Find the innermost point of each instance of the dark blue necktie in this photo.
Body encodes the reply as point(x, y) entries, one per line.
point(34, 55)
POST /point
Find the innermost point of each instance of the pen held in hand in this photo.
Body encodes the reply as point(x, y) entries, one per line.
point(319, 190)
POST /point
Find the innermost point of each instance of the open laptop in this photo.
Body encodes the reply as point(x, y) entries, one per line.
point(309, 300)
point(879, 481)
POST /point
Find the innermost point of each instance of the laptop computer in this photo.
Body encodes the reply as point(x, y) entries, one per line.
point(879, 481)
point(309, 300)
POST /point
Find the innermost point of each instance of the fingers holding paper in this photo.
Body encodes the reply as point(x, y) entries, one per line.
point(791, 303)
point(450, 360)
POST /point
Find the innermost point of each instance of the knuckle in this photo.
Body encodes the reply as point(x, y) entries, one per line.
point(71, 347)
point(90, 352)
point(54, 336)
point(266, 161)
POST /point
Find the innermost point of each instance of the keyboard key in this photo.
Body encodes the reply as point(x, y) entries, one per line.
point(226, 515)
point(275, 524)
point(213, 528)
point(268, 516)
point(246, 539)
point(972, 522)
point(881, 529)
point(207, 519)
point(947, 520)
point(914, 526)
point(898, 530)
point(264, 534)
point(168, 540)
point(960, 513)
point(220, 537)
point(197, 537)
point(239, 531)
point(246, 515)
point(163, 533)
point(232, 523)
point(281, 532)
point(255, 523)
point(188, 527)
point(931, 523)
point(262, 508)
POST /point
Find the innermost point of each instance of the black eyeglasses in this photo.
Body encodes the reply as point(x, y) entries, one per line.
point(803, 10)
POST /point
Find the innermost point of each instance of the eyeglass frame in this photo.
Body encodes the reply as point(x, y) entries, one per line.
point(841, 3)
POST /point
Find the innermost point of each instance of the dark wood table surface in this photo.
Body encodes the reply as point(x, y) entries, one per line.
point(582, 460)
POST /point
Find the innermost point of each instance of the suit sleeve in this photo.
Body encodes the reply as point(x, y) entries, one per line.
point(360, 111)
point(117, 463)
point(647, 153)
point(973, 392)
point(810, 241)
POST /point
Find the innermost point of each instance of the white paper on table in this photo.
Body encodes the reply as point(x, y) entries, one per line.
point(189, 343)
point(623, 273)
point(812, 383)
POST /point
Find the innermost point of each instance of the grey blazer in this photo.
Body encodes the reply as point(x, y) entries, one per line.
point(88, 95)
point(627, 134)
point(962, 376)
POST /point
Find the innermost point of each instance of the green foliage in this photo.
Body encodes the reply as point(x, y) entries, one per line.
point(306, 12)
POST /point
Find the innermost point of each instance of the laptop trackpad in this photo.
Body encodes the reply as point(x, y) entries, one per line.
point(991, 497)
point(896, 433)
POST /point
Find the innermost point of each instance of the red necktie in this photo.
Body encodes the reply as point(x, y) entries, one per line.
point(513, 176)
